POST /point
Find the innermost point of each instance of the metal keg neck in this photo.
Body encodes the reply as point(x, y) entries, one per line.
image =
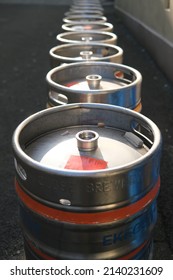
point(87, 140)
point(86, 54)
point(94, 81)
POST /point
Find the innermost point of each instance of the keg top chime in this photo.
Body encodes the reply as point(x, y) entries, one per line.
point(86, 26)
point(82, 141)
point(97, 82)
point(67, 53)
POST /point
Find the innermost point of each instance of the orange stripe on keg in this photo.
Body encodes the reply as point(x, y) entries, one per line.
point(134, 252)
point(138, 108)
point(44, 256)
point(88, 218)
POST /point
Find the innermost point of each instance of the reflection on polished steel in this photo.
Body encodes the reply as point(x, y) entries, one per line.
point(87, 36)
point(69, 53)
point(120, 84)
point(107, 194)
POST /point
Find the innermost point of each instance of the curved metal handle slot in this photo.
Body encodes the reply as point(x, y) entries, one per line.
point(58, 98)
point(20, 170)
point(120, 76)
point(105, 51)
point(143, 132)
point(126, 76)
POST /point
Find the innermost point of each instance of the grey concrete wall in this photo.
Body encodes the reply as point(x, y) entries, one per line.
point(152, 23)
point(154, 14)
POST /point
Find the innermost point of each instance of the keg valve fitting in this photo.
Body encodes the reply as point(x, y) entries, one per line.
point(94, 81)
point(86, 54)
point(87, 140)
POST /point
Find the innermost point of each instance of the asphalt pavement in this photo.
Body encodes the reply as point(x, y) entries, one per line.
point(27, 34)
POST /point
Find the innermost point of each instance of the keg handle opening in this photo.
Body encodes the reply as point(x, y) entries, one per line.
point(105, 51)
point(87, 140)
point(124, 76)
point(143, 132)
point(20, 170)
point(94, 81)
point(58, 98)
point(86, 54)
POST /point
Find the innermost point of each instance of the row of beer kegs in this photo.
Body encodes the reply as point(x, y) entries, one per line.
point(87, 167)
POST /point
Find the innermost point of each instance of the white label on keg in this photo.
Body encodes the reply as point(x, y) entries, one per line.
point(85, 163)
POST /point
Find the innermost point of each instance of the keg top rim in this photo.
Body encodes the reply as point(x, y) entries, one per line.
point(107, 24)
point(19, 152)
point(84, 12)
point(86, 16)
point(97, 18)
point(102, 26)
point(110, 34)
point(119, 67)
point(119, 50)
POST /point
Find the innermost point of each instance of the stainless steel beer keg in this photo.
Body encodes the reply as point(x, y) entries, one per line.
point(87, 36)
point(69, 53)
point(87, 178)
point(84, 12)
point(84, 8)
point(80, 4)
point(85, 26)
point(94, 82)
point(84, 2)
point(96, 18)
point(87, 4)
